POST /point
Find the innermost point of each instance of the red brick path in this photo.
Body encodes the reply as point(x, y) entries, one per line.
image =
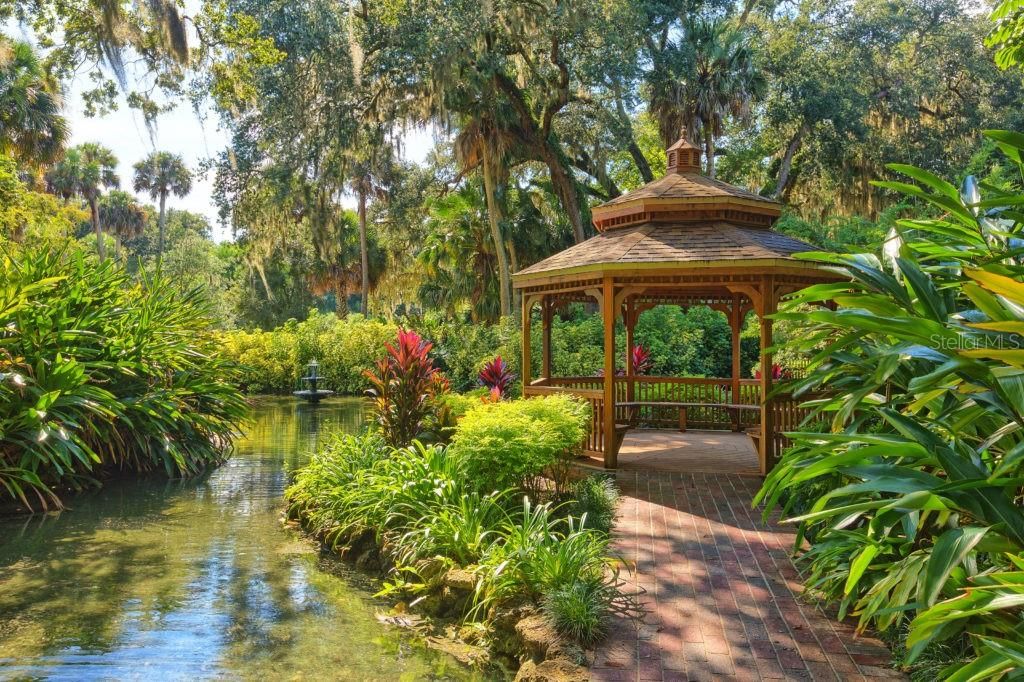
point(720, 592)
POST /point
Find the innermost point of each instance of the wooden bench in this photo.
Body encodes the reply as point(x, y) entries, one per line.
point(735, 410)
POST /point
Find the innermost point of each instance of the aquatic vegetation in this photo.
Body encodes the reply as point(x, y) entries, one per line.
point(427, 514)
point(98, 373)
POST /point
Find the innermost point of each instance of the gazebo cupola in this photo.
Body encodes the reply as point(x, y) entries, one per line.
point(683, 239)
point(685, 195)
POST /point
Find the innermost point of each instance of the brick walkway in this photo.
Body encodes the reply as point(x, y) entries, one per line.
point(720, 592)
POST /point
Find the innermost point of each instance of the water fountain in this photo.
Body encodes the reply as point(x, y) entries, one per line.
point(313, 394)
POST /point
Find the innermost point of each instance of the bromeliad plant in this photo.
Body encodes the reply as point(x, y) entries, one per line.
point(406, 386)
point(497, 376)
point(920, 515)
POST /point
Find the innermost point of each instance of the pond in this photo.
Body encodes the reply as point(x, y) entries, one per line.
point(199, 578)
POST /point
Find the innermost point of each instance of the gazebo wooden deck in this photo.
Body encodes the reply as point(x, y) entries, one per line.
point(685, 240)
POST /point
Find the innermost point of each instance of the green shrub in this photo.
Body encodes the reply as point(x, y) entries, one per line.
point(594, 500)
point(273, 361)
point(918, 526)
point(418, 503)
point(540, 554)
point(96, 372)
point(580, 610)
point(269, 361)
point(509, 444)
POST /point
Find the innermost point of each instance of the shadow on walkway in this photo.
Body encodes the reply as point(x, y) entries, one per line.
point(720, 592)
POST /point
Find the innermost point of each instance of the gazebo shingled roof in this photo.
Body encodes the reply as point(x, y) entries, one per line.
point(672, 244)
point(685, 239)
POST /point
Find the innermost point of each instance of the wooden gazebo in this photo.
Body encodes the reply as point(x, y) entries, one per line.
point(688, 240)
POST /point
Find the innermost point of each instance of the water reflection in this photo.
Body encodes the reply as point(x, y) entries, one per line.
point(197, 579)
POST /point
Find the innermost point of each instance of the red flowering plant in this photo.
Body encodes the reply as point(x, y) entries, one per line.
point(779, 373)
point(497, 376)
point(405, 384)
point(642, 361)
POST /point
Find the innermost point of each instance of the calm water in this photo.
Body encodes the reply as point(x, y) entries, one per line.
point(198, 579)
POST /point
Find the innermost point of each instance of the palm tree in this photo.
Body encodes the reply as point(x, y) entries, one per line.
point(458, 256)
point(724, 81)
point(161, 174)
point(31, 126)
point(707, 77)
point(483, 143)
point(369, 172)
point(123, 216)
point(85, 171)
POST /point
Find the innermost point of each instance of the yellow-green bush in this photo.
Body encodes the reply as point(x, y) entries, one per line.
point(275, 360)
point(508, 444)
point(269, 360)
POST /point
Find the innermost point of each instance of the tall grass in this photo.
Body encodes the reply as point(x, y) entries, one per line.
point(99, 373)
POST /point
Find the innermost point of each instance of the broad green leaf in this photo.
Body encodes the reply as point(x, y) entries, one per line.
point(926, 178)
point(858, 566)
point(949, 552)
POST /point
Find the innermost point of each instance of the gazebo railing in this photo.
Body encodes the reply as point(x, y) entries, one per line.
point(675, 390)
point(786, 411)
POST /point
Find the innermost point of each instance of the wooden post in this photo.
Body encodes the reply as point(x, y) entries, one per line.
point(526, 371)
point(768, 304)
point(608, 313)
point(736, 324)
point(547, 309)
point(629, 318)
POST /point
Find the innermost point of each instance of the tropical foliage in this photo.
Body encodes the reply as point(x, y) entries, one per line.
point(426, 515)
point(405, 385)
point(84, 172)
point(162, 174)
point(99, 374)
point(496, 376)
point(32, 128)
point(509, 444)
point(917, 518)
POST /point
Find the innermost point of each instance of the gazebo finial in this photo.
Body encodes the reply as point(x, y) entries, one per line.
point(683, 157)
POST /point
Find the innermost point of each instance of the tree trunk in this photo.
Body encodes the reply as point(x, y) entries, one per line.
point(513, 259)
point(565, 187)
point(162, 223)
point(495, 218)
point(543, 142)
point(641, 162)
point(787, 163)
point(117, 246)
point(263, 278)
point(364, 256)
point(101, 247)
point(748, 5)
point(709, 151)
point(340, 300)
